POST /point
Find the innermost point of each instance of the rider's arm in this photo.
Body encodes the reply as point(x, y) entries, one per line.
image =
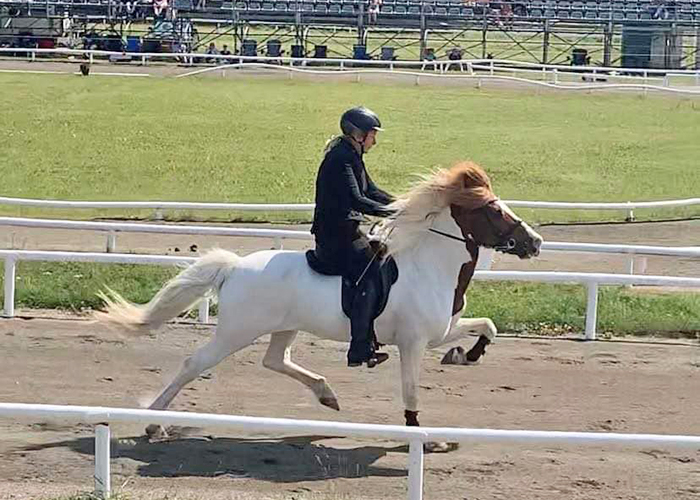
point(378, 194)
point(358, 201)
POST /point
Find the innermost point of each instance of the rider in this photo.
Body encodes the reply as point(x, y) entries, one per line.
point(345, 191)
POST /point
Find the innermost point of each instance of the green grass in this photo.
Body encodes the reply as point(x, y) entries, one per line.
point(514, 307)
point(257, 140)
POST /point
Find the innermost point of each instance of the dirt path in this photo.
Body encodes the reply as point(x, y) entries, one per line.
point(522, 384)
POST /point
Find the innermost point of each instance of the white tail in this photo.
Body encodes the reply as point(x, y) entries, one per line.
point(179, 294)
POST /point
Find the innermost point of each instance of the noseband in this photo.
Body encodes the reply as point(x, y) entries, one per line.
point(509, 242)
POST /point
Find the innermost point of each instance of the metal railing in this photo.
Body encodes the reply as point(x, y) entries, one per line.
point(591, 281)
point(102, 417)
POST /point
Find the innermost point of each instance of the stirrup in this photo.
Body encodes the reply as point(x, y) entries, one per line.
point(375, 359)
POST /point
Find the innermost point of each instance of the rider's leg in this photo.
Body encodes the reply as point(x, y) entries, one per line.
point(362, 327)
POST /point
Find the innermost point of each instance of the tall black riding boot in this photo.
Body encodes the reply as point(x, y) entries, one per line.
point(362, 328)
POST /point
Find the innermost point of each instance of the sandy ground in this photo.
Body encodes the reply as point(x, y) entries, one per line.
point(521, 384)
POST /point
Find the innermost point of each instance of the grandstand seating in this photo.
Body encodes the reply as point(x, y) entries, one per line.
point(393, 13)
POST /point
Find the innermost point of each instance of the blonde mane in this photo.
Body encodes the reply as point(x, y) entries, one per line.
point(465, 184)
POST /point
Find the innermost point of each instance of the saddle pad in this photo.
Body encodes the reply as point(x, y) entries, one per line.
point(384, 276)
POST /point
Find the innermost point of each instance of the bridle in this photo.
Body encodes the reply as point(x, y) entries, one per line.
point(508, 242)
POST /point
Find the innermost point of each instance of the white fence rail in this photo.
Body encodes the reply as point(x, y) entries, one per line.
point(278, 235)
point(591, 280)
point(112, 228)
point(160, 206)
point(101, 417)
point(473, 67)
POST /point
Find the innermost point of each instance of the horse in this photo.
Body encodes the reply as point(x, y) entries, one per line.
point(439, 225)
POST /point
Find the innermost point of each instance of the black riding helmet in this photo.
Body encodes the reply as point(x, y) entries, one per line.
point(359, 119)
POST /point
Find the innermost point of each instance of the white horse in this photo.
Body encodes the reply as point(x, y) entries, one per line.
point(276, 293)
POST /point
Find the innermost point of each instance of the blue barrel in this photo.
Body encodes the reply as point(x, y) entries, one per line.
point(133, 44)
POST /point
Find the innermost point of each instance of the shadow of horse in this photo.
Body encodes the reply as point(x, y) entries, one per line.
point(284, 460)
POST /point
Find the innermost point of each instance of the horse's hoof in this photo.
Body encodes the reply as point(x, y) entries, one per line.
point(454, 356)
point(156, 432)
point(432, 447)
point(330, 403)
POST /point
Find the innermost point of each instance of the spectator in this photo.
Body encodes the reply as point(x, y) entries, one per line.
point(373, 10)
point(226, 52)
point(428, 57)
point(658, 9)
point(455, 54)
point(160, 8)
point(506, 15)
point(213, 51)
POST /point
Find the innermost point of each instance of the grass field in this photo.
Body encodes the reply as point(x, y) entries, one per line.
point(260, 141)
point(514, 307)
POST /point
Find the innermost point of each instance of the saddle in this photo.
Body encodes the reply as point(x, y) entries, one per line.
point(383, 273)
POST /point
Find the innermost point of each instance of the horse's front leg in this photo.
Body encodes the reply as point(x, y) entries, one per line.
point(411, 357)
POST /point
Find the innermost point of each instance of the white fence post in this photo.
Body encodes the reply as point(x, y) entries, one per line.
point(415, 470)
point(591, 310)
point(102, 454)
point(204, 311)
point(642, 265)
point(111, 242)
point(10, 271)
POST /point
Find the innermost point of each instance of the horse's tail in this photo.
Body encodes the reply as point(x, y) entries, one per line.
point(179, 294)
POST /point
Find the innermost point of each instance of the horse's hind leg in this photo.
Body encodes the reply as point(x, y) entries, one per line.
point(207, 356)
point(278, 359)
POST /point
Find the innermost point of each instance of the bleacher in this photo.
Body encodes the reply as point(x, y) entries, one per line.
point(392, 13)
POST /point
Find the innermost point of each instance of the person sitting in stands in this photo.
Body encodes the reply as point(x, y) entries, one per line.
point(226, 52)
point(213, 51)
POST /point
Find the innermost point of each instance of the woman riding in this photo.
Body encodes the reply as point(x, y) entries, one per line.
point(344, 192)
